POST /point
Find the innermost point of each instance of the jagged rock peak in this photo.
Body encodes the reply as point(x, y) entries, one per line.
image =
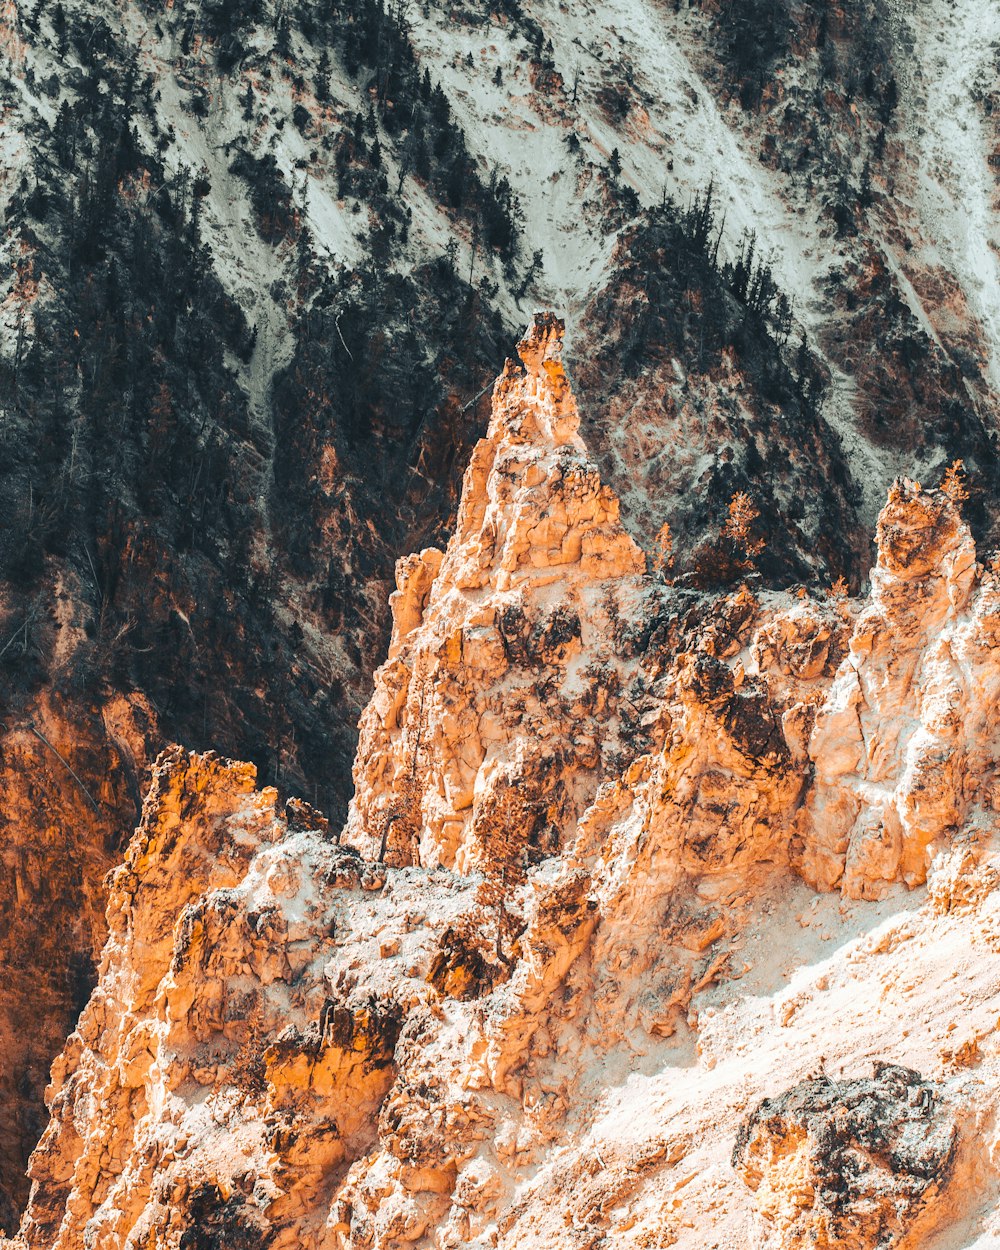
point(294, 1045)
point(903, 750)
point(505, 667)
point(536, 402)
point(920, 534)
point(533, 503)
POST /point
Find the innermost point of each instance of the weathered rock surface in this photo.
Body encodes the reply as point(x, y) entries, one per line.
point(236, 1053)
point(506, 669)
point(570, 948)
point(227, 405)
point(904, 748)
point(847, 1163)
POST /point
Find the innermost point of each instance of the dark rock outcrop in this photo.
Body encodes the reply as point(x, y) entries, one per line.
point(847, 1163)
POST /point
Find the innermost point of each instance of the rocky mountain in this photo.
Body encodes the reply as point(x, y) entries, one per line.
point(659, 918)
point(263, 263)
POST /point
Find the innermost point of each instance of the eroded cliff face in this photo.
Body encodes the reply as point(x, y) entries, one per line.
point(244, 340)
point(637, 886)
point(499, 644)
point(904, 746)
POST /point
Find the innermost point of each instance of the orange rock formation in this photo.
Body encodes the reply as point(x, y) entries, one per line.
point(755, 853)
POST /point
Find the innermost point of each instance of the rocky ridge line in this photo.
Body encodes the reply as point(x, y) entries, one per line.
point(498, 1039)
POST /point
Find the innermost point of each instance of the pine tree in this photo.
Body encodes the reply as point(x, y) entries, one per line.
point(953, 483)
point(663, 551)
point(283, 37)
point(839, 589)
point(323, 77)
point(890, 100)
point(59, 26)
point(530, 274)
point(503, 826)
point(865, 192)
point(64, 135)
point(739, 525)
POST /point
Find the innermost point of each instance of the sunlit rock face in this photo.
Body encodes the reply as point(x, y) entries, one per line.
point(510, 654)
point(260, 261)
point(904, 746)
point(637, 884)
point(218, 1084)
